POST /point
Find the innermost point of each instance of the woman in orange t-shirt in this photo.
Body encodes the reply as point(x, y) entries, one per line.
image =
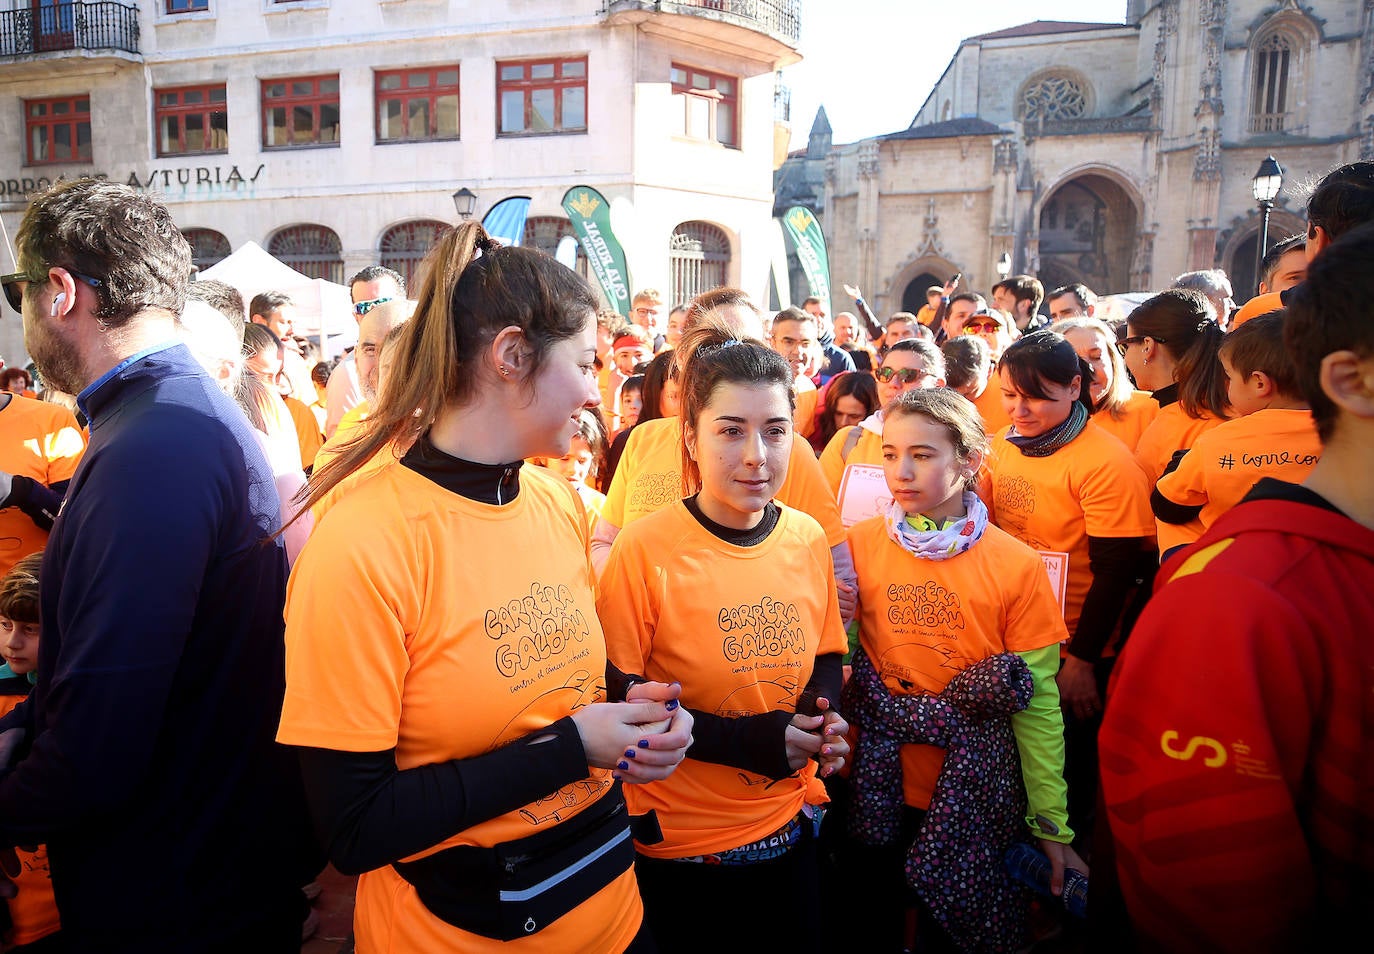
point(942, 592)
point(1118, 408)
point(846, 400)
point(1065, 487)
point(462, 737)
point(1172, 347)
point(733, 594)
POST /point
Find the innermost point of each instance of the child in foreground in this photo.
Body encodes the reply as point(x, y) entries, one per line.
point(34, 922)
point(955, 675)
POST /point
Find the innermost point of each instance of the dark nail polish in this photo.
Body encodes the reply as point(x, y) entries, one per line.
point(671, 704)
point(623, 766)
point(616, 776)
point(643, 743)
point(630, 753)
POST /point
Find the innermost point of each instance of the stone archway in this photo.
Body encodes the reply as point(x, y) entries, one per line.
point(1087, 233)
point(914, 297)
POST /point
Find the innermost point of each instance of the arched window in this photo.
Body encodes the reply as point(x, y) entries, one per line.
point(1270, 104)
point(311, 250)
point(1053, 96)
point(698, 259)
point(208, 247)
point(404, 247)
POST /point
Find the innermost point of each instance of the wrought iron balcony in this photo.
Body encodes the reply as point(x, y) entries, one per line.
point(780, 19)
point(54, 27)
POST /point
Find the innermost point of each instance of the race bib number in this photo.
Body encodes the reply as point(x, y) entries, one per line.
point(1057, 566)
point(863, 493)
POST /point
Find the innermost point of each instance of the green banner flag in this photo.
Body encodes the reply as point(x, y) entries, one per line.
point(590, 215)
point(805, 232)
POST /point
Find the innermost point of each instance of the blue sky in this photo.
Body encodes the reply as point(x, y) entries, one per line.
point(871, 63)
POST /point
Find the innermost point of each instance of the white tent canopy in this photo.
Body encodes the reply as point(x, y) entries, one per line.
point(320, 304)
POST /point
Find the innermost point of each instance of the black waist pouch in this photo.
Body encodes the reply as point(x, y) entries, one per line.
point(520, 887)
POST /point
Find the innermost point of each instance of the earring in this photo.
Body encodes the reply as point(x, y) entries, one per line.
point(505, 371)
point(1146, 361)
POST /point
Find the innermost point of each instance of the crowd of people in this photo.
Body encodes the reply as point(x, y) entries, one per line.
point(705, 626)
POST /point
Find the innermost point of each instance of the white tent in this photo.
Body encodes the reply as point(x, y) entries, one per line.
point(320, 305)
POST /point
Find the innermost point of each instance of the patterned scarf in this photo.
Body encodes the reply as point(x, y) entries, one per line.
point(926, 541)
point(978, 807)
point(1043, 445)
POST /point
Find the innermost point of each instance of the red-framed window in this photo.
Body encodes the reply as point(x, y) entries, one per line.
point(191, 119)
point(709, 104)
point(300, 111)
point(541, 96)
point(417, 105)
point(57, 130)
point(186, 6)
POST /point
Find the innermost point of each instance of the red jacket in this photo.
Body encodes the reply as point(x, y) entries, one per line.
point(1237, 750)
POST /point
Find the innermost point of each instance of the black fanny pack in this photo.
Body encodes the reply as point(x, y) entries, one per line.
point(518, 888)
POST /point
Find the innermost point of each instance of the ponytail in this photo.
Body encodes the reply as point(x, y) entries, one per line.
point(1184, 324)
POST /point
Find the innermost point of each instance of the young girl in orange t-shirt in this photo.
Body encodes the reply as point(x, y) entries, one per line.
point(461, 735)
point(941, 591)
point(733, 594)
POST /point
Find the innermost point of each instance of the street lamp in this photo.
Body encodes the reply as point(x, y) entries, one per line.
point(1004, 265)
point(1265, 186)
point(464, 201)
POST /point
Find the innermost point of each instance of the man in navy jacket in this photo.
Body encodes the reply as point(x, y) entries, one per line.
point(173, 820)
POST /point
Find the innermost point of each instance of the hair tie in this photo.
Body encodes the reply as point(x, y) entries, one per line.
point(730, 342)
point(1202, 325)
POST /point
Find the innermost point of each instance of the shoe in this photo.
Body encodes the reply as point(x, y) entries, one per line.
point(312, 891)
point(310, 925)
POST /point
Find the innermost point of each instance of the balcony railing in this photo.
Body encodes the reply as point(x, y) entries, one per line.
point(102, 25)
point(777, 18)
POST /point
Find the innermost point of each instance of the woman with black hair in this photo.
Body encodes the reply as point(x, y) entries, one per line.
point(1065, 487)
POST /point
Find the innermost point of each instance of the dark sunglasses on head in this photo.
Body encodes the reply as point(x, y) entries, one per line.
point(363, 307)
point(14, 294)
point(903, 375)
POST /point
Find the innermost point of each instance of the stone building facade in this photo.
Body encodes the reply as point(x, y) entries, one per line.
point(1118, 155)
point(333, 133)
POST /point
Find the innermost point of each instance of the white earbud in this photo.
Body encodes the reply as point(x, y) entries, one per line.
point(57, 302)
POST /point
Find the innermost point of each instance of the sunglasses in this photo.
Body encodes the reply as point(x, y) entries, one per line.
point(14, 294)
point(903, 375)
point(981, 327)
point(363, 307)
point(1125, 343)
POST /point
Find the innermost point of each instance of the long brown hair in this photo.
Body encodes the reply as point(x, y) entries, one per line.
point(472, 288)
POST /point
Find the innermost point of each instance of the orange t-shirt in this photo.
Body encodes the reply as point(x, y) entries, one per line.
point(308, 433)
point(923, 621)
point(1139, 413)
point(990, 407)
point(804, 417)
point(1259, 305)
point(649, 478)
point(868, 449)
point(740, 628)
point(400, 634)
point(41, 440)
point(1226, 461)
point(33, 911)
point(1171, 430)
point(1089, 487)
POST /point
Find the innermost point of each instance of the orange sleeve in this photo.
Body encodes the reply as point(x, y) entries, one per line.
point(832, 460)
point(1186, 485)
point(63, 444)
point(805, 489)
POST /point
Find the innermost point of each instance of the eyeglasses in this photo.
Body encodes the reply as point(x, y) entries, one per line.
point(14, 294)
point(363, 307)
point(903, 375)
point(981, 327)
point(1125, 343)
